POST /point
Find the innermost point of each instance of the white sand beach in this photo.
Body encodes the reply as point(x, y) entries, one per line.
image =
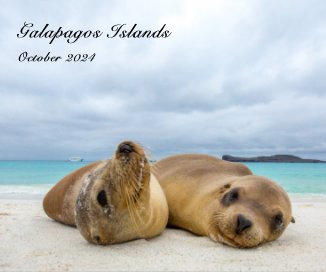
point(30, 241)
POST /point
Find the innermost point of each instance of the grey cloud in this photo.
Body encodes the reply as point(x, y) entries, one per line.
point(241, 78)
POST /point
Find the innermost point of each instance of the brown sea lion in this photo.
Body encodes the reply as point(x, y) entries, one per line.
point(222, 200)
point(111, 201)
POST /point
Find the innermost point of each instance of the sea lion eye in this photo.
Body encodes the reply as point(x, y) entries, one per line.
point(101, 198)
point(277, 222)
point(230, 197)
point(278, 219)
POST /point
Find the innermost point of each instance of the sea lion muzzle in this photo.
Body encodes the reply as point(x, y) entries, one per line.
point(125, 148)
point(242, 224)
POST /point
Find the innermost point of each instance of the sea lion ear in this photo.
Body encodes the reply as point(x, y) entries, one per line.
point(292, 220)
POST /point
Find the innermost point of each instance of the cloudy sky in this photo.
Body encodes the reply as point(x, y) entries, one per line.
point(234, 77)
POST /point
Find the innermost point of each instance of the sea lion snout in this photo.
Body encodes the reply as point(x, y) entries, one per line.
point(127, 150)
point(126, 147)
point(242, 224)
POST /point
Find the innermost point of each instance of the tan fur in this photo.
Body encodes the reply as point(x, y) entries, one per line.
point(133, 204)
point(195, 185)
point(59, 203)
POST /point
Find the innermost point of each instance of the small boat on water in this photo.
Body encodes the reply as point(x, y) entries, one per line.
point(75, 159)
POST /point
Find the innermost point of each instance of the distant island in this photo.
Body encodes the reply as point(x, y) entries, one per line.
point(274, 158)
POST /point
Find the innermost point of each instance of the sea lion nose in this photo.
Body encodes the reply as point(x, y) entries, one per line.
point(125, 148)
point(242, 224)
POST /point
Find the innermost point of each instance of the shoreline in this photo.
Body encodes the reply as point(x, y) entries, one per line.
point(294, 197)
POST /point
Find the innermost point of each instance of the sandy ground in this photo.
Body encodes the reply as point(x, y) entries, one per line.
point(29, 241)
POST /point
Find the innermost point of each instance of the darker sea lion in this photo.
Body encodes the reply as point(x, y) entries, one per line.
point(111, 201)
point(222, 200)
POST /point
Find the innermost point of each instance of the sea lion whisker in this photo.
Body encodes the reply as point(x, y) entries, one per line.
point(125, 194)
point(130, 210)
point(133, 212)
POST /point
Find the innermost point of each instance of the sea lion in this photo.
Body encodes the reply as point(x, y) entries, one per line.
point(222, 200)
point(111, 201)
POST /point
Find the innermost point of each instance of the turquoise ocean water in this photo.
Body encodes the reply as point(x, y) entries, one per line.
point(36, 177)
point(304, 178)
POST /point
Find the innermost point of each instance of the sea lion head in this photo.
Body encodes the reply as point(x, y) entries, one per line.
point(251, 210)
point(113, 199)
